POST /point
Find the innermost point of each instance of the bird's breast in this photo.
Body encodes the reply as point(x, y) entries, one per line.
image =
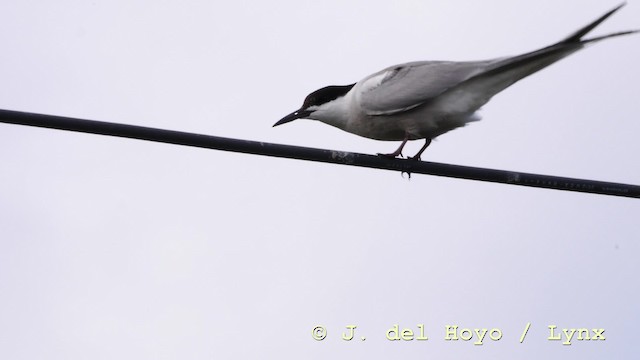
point(420, 123)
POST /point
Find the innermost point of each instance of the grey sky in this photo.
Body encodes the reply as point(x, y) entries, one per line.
point(114, 248)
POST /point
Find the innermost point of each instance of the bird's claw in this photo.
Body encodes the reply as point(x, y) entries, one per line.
point(390, 156)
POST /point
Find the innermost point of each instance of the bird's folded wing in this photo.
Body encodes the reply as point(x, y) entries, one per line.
point(403, 87)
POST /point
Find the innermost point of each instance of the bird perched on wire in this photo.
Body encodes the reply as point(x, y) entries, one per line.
point(425, 99)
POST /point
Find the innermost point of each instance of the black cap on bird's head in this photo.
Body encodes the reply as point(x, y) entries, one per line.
point(314, 100)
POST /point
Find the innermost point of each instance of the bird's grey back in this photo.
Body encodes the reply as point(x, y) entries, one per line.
point(406, 86)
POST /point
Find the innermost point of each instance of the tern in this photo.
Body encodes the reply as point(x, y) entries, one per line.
point(425, 99)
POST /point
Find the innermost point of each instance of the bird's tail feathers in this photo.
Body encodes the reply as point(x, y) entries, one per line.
point(578, 35)
point(529, 63)
point(598, 38)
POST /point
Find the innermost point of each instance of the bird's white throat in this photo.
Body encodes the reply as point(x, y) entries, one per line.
point(336, 112)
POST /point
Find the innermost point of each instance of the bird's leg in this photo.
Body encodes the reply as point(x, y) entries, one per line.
point(426, 145)
point(399, 150)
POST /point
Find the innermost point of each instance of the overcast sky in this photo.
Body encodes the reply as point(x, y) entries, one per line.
point(123, 249)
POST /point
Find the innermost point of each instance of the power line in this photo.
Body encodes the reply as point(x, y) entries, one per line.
point(320, 155)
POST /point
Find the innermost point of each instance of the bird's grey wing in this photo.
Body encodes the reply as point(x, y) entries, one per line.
point(403, 87)
point(465, 85)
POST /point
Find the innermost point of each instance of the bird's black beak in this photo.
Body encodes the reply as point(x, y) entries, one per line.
point(298, 114)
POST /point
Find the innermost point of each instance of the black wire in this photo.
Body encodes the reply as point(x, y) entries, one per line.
point(321, 155)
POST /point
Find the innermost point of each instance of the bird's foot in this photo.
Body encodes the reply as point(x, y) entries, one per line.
point(393, 155)
point(398, 151)
point(424, 147)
